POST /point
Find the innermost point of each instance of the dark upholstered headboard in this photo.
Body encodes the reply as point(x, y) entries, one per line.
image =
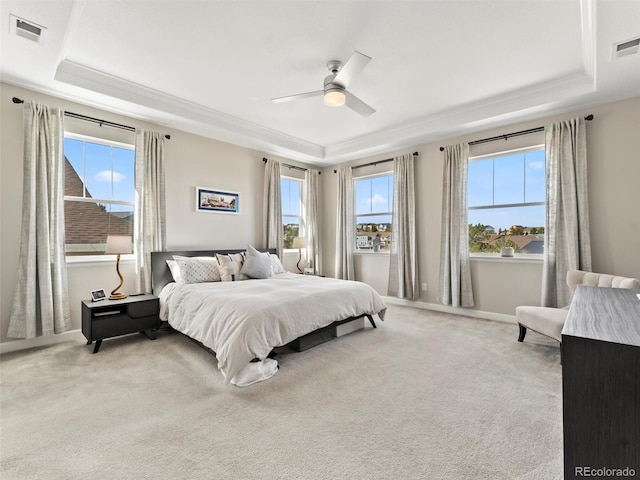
point(160, 273)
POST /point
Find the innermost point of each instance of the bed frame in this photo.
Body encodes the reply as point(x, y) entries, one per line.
point(161, 276)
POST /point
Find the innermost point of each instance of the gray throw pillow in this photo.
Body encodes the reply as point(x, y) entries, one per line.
point(257, 264)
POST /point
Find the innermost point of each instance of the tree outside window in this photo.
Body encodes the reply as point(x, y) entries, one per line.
point(290, 190)
point(506, 201)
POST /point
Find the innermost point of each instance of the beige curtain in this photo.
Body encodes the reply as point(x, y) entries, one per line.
point(567, 241)
point(272, 207)
point(149, 230)
point(455, 268)
point(403, 261)
point(41, 300)
point(310, 217)
point(345, 226)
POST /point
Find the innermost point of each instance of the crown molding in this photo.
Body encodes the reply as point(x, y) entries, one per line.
point(510, 107)
point(517, 105)
point(188, 115)
point(522, 104)
point(117, 95)
point(493, 111)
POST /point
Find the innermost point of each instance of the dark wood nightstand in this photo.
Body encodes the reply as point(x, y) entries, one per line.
point(112, 318)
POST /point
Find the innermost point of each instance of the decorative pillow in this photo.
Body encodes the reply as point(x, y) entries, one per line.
point(234, 257)
point(276, 265)
point(238, 257)
point(257, 264)
point(230, 270)
point(197, 269)
point(175, 270)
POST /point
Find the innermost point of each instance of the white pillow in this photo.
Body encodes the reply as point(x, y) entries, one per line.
point(175, 270)
point(276, 265)
point(197, 269)
point(230, 270)
point(257, 264)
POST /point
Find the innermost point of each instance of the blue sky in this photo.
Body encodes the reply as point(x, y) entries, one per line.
point(504, 218)
point(95, 165)
point(509, 179)
point(291, 197)
point(374, 195)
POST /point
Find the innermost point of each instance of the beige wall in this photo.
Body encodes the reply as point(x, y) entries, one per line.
point(191, 161)
point(502, 284)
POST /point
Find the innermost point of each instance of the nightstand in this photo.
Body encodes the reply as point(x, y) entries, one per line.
point(112, 318)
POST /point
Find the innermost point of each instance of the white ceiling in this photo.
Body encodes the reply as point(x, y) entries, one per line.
point(439, 68)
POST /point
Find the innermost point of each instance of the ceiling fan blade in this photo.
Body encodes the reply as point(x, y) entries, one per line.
point(357, 105)
point(289, 98)
point(357, 61)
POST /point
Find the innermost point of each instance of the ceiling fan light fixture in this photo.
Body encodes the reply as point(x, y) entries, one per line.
point(334, 97)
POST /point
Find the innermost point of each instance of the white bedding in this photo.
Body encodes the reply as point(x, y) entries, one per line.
point(244, 320)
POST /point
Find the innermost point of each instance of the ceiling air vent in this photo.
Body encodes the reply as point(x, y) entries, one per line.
point(628, 47)
point(27, 29)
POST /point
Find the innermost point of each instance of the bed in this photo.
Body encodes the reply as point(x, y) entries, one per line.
point(243, 321)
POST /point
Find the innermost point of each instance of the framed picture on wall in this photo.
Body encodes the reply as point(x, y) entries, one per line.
point(218, 201)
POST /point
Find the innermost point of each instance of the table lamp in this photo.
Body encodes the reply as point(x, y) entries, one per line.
point(299, 243)
point(118, 244)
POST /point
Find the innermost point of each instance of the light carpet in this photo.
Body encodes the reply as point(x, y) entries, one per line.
point(426, 395)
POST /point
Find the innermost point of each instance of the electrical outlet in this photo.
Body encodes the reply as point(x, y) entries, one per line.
point(424, 287)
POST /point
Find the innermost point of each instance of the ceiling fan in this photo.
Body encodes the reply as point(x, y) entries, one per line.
point(335, 85)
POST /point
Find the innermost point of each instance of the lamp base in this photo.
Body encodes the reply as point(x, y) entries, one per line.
point(117, 296)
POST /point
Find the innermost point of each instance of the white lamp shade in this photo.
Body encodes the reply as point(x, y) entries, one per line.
point(299, 242)
point(118, 244)
point(334, 98)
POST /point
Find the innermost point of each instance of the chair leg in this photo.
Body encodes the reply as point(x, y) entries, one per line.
point(523, 332)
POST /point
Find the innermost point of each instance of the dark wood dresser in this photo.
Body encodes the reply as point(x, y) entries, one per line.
point(601, 384)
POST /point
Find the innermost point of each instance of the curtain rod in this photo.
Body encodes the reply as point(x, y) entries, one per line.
point(93, 119)
point(295, 167)
point(415, 154)
point(514, 134)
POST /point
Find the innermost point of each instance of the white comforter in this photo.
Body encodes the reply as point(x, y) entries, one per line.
point(244, 320)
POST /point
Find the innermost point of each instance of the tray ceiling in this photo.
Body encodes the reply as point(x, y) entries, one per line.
point(438, 69)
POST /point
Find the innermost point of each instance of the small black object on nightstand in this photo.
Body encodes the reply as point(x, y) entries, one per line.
point(98, 295)
point(113, 318)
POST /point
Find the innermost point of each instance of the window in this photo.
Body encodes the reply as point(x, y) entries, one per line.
point(99, 193)
point(373, 212)
point(290, 190)
point(506, 201)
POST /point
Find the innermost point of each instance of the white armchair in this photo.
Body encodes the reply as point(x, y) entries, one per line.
point(550, 321)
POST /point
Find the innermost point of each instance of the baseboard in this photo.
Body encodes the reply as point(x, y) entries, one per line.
point(13, 346)
point(498, 317)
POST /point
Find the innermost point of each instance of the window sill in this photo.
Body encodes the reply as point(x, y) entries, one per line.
point(495, 257)
point(371, 252)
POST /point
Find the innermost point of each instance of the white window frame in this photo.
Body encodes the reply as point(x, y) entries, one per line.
point(491, 255)
point(367, 251)
point(110, 143)
point(300, 218)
